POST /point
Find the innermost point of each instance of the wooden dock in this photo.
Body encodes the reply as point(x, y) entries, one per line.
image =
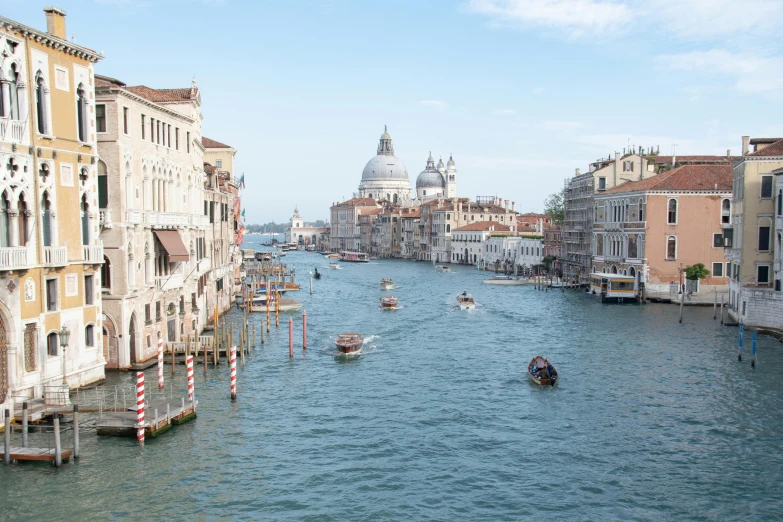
point(38, 454)
point(171, 412)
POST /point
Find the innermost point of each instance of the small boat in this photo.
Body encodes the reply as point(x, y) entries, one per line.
point(262, 290)
point(349, 342)
point(332, 256)
point(389, 302)
point(387, 284)
point(506, 281)
point(334, 266)
point(465, 301)
point(541, 371)
point(286, 305)
point(442, 268)
point(317, 274)
point(283, 287)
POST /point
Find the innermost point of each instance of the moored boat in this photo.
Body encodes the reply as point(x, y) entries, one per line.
point(387, 284)
point(505, 281)
point(442, 268)
point(465, 301)
point(334, 266)
point(349, 342)
point(541, 371)
point(354, 257)
point(286, 305)
point(389, 302)
point(329, 255)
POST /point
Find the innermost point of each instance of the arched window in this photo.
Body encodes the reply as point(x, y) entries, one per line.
point(103, 185)
point(85, 210)
point(395, 199)
point(448, 228)
point(641, 209)
point(13, 87)
point(5, 232)
point(81, 112)
point(23, 218)
point(106, 273)
point(40, 103)
point(46, 219)
point(89, 336)
point(632, 272)
point(672, 215)
point(52, 342)
point(780, 202)
point(614, 269)
point(671, 248)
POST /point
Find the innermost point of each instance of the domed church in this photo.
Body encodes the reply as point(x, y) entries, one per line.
point(440, 181)
point(385, 175)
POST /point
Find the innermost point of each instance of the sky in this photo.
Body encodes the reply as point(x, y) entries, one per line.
point(521, 92)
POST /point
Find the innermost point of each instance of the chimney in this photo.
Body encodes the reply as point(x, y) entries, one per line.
point(577, 172)
point(512, 203)
point(468, 206)
point(55, 22)
point(506, 206)
point(745, 144)
point(617, 156)
point(674, 160)
point(728, 154)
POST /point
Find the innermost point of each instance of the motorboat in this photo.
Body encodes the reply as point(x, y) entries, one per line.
point(260, 304)
point(389, 302)
point(506, 281)
point(465, 301)
point(349, 342)
point(329, 255)
point(334, 266)
point(442, 268)
point(542, 372)
point(387, 284)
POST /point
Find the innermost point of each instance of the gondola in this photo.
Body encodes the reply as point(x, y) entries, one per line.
point(317, 274)
point(534, 371)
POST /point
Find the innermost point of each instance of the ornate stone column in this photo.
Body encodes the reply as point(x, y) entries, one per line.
point(13, 227)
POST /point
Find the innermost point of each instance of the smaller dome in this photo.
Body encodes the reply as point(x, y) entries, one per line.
point(429, 179)
point(451, 163)
point(440, 166)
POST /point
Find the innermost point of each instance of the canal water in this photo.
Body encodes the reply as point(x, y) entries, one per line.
point(436, 420)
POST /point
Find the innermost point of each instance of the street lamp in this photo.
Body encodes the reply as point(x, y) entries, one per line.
point(64, 334)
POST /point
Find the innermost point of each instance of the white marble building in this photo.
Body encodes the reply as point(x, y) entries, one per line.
point(298, 233)
point(385, 175)
point(440, 181)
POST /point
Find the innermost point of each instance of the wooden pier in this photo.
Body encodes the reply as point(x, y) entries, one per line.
point(170, 412)
point(38, 454)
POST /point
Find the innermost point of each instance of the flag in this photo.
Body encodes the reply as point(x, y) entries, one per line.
point(243, 212)
point(242, 181)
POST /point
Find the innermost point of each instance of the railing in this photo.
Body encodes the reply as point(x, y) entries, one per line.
point(15, 258)
point(198, 220)
point(166, 219)
point(170, 282)
point(133, 217)
point(92, 253)
point(204, 265)
point(105, 218)
point(55, 256)
point(12, 130)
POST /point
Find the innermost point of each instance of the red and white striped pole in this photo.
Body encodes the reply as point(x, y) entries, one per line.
point(304, 330)
point(140, 407)
point(233, 359)
point(190, 377)
point(291, 337)
point(160, 363)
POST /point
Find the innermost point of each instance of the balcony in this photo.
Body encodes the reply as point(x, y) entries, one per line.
point(166, 219)
point(15, 258)
point(133, 217)
point(197, 220)
point(92, 254)
point(105, 218)
point(55, 256)
point(170, 282)
point(204, 265)
point(12, 130)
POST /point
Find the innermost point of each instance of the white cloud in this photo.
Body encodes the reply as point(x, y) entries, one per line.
point(753, 74)
point(504, 112)
point(436, 104)
point(560, 125)
point(713, 18)
point(577, 16)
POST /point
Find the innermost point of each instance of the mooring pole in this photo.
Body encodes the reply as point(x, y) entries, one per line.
point(682, 303)
point(721, 308)
point(25, 421)
point(715, 306)
point(753, 351)
point(75, 431)
point(291, 337)
point(742, 329)
point(7, 430)
point(304, 330)
point(58, 457)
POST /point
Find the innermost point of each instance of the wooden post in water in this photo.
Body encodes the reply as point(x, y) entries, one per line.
point(715, 306)
point(721, 308)
point(75, 431)
point(58, 457)
point(254, 334)
point(172, 357)
point(741, 331)
point(25, 421)
point(304, 330)
point(262, 330)
point(242, 344)
point(753, 351)
point(291, 337)
point(682, 302)
point(7, 434)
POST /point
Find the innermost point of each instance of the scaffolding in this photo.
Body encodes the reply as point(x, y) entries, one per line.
point(577, 226)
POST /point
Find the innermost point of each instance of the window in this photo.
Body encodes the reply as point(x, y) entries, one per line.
point(89, 290)
point(89, 336)
point(717, 240)
point(100, 118)
point(176, 138)
point(219, 163)
point(125, 115)
point(106, 273)
point(671, 248)
point(764, 238)
point(85, 210)
point(143, 129)
point(147, 313)
point(672, 215)
point(40, 103)
point(762, 274)
point(187, 136)
point(601, 183)
point(157, 131)
point(725, 212)
point(52, 341)
point(717, 269)
point(51, 295)
point(81, 113)
point(152, 130)
point(168, 136)
point(766, 186)
point(157, 311)
point(103, 186)
point(13, 87)
point(641, 210)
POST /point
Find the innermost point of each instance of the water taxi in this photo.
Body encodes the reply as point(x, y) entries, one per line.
point(286, 305)
point(354, 257)
point(387, 284)
point(334, 266)
point(349, 342)
point(389, 302)
point(505, 281)
point(541, 371)
point(283, 287)
point(442, 268)
point(329, 255)
point(613, 288)
point(465, 301)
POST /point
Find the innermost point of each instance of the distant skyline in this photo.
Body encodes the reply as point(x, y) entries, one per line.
point(522, 92)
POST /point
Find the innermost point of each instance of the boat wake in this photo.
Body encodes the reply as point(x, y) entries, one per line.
point(370, 338)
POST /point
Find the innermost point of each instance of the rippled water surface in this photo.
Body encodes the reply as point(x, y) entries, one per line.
point(436, 420)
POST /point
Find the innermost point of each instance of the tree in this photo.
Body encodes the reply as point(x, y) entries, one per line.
point(554, 207)
point(548, 260)
point(695, 272)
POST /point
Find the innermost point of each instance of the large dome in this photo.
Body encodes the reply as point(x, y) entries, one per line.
point(384, 166)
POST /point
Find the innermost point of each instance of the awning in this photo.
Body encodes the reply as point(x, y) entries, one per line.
point(173, 244)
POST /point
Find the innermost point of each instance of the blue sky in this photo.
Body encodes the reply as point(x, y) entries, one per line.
point(522, 92)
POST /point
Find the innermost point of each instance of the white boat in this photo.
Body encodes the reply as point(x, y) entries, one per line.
point(465, 301)
point(442, 268)
point(286, 305)
point(506, 281)
point(334, 266)
point(389, 302)
point(387, 284)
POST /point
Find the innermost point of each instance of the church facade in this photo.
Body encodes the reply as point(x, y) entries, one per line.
point(299, 233)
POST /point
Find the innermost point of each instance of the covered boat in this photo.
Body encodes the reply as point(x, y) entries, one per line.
point(541, 371)
point(286, 305)
point(465, 301)
point(349, 342)
point(389, 302)
point(387, 284)
point(442, 268)
point(334, 266)
point(505, 281)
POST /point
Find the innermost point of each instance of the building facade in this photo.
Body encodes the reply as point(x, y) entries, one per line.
point(345, 233)
point(385, 175)
point(50, 249)
point(303, 235)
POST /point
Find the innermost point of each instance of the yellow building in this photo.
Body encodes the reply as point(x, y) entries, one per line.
point(50, 251)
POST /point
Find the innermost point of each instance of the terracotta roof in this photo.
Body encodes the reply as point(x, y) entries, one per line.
point(483, 225)
point(708, 178)
point(372, 212)
point(212, 144)
point(106, 81)
point(767, 141)
point(411, 213)
point(775, 149)
point(163, 95)
point(358, 202)
point(682, 160)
